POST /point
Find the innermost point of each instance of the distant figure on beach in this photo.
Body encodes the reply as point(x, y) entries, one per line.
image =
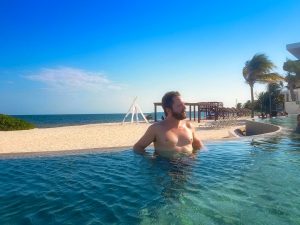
point(172, 136)
point(298, 124)
point(262, 115)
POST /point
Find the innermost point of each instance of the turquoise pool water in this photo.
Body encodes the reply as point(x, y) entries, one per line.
point(249, 181)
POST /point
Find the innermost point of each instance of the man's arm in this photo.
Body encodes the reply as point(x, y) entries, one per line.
point(197, 143)
point(145, 140)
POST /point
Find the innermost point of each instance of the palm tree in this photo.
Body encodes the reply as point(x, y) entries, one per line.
point(291, 81)
point(292, 67)
point(275, 97)
point(262, 99)
point(258, 69)
point(239, 105)
point(293, 76)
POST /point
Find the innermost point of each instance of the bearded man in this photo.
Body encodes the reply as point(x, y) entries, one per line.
point(174, 136)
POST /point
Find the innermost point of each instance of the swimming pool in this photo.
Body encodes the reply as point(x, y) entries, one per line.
point(233, 182)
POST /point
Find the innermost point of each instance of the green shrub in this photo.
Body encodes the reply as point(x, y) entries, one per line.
point(11, 123)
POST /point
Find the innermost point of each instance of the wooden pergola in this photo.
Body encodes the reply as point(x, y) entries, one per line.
point(210, 110)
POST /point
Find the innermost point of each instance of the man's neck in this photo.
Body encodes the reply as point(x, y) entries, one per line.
point(173, 122)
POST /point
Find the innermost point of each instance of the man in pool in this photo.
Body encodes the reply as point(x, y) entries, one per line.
point(173, 136)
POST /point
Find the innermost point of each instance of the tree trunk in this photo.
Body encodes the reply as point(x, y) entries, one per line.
point(293, 95)
point(252, 101)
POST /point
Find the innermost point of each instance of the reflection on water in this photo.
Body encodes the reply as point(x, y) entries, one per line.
point(234, 182)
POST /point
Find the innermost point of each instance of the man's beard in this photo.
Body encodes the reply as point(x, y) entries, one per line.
point(179, 116)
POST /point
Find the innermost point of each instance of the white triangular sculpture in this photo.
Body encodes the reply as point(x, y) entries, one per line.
point(135, 109)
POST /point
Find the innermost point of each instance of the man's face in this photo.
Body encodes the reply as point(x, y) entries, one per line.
point(178, 108)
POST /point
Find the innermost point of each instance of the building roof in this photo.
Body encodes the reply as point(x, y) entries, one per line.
point(294, 49)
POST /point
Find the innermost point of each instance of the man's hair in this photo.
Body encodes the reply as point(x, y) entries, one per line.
point(167, 100)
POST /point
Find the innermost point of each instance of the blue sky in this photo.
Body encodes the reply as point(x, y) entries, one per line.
point(95, 56)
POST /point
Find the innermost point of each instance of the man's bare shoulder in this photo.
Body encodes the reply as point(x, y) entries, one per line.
point(189, 124)
point(156, 125)
point(155, 129)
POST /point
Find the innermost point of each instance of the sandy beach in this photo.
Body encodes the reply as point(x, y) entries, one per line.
point(94, 136)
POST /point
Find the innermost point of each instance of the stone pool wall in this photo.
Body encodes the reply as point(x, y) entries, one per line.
point(255, 128)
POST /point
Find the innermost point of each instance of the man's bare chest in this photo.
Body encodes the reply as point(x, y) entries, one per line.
point(176, 137)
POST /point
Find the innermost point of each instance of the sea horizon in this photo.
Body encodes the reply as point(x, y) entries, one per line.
point(59, 120)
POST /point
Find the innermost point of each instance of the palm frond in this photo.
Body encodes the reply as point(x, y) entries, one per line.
point(292, 67)
point(260, 63)
point(270, 78)
point(258, 66)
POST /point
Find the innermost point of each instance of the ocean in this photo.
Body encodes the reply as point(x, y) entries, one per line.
point(56, 120)
point(59, 120)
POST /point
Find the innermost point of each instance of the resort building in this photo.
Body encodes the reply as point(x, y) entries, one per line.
point(294, 49)
point(293, 107)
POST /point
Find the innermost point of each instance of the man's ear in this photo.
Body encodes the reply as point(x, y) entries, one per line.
point(168, 110)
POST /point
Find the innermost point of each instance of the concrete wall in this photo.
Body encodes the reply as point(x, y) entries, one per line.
point(292, 107)
point(254, 128)
point(287, 94)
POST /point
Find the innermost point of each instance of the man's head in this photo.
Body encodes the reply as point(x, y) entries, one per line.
point(173, 105)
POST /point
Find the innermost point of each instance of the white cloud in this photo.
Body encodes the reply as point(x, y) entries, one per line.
point(67, 78)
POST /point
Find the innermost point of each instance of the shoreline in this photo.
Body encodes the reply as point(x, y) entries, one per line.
point(89, 137)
